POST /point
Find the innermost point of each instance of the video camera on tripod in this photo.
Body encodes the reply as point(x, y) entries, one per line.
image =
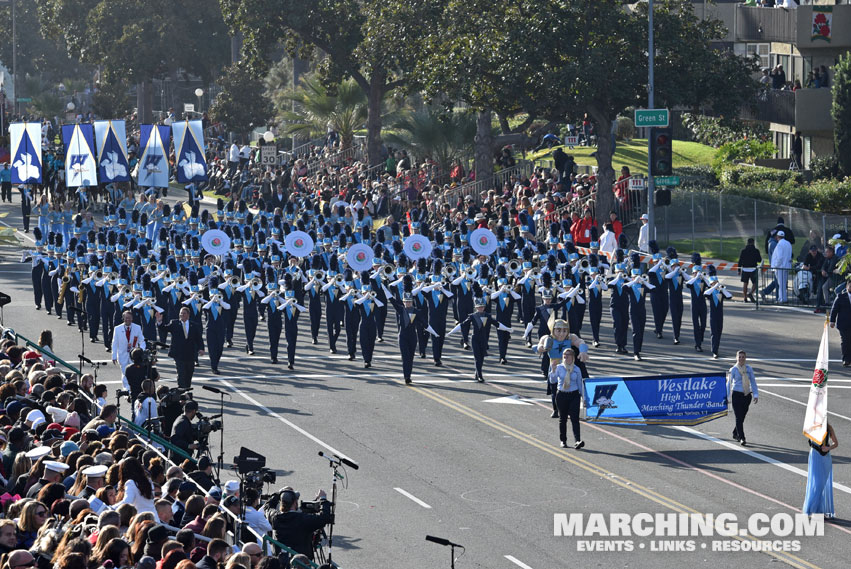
point(207, 425)
point(251, 467)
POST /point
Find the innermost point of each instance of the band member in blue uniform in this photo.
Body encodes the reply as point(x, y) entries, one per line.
point(696, 287)
point(37, 267)
point(595, 287)
point(462, 288)
point(408, 318)
point(619, 304)
point(92, 298)
point(351, 313)
point(637, 306)
point(659, 292)
point(480, 322)
point(438, 299)
point(333, 307)
point(716, 293)
point(216, 311)
point(504, 298)
point(274, 317)
point(315, 280)
point(674, 278)
point(252, 293)
point(291, 310)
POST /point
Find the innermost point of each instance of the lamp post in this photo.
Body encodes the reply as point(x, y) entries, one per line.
point(199, 92)
point(268, 136)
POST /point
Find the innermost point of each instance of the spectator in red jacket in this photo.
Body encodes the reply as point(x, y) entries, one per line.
point(582, 237)
point(617, 226)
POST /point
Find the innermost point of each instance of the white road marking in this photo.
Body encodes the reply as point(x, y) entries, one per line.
point(515, 400)
point(284, 420)
point(517, 562)
point(413, 498)
point(804, 403)
point(756, 455)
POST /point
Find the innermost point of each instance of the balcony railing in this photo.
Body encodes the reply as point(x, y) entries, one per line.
point(754, 24)
point(771, 105)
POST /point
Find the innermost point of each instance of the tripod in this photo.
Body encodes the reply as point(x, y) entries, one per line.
point(335, 464)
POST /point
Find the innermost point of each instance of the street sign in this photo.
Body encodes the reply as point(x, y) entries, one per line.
point(268, 155)
point(651, 117)
point(25, 99)
point(571, 141)
point(636, 183)
point(188, 107)
point(667, 180)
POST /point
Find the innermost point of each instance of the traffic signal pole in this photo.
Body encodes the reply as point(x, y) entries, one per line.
point(651, 185)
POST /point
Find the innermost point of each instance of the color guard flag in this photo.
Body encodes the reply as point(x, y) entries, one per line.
point(153, 161)
point(80, 165)
point(815, 421)
point(113, 165)
point(25, 152)
point(189, 151)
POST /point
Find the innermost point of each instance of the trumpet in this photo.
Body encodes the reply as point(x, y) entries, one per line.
point(536, 273)
point(319, 275)
point(470, 273)
point(256, 282)
point(98, 275)
point(387, 270)
point(234, 281)
point(181, 281)
point(338, 279)
point(514, 265)
point(584, 265)
point(449, 271)
point(152, 267)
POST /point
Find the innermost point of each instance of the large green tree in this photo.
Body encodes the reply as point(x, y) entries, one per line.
point(373, 42)
point(841, 112)
point(141, 40)
point(241, 105)
point(554, 59)
point(343, 108)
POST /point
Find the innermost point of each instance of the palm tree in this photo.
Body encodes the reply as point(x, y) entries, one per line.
point(430, 134)
point(343, 109)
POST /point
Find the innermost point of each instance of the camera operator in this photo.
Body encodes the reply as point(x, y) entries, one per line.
point(204, 475)
point(184, 435)
point(295, 528)
point(146, 406)
point(136, 373)
point(253, 516)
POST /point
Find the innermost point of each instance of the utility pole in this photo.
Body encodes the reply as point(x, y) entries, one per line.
point(14, 63)
point(651, 186)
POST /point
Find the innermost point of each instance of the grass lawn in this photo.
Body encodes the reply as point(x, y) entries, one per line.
point(709, 248)
point(634, 155)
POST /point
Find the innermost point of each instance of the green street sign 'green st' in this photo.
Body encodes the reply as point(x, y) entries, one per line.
point(651, 117)
point(667, 180)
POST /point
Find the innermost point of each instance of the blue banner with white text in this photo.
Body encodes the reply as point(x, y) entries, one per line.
point(656, 399)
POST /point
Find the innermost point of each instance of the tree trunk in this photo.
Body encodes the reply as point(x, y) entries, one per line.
point(605, 200)
point(484, 147)
point(144, 102)
point(375, 95)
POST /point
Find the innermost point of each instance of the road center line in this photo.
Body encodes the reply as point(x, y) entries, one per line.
point(412, 498)
point(517, 562)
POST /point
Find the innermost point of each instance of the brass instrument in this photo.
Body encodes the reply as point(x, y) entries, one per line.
point(82, 290)
point(470, 273)
point(584, 265)
point(449, 271)
point(339, 278)
point(514, 265)
point(536, 273)
point(319, 275)
point(66, 282)
point(234, 281)
point(181, 281)
point(98, 275)
point(152, 267)
point(387, 270)
point(256, 282)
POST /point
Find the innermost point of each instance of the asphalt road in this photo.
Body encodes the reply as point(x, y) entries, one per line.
point(480, 465)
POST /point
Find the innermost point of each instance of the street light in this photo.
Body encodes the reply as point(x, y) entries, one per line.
point(268, 136)
point(199, 92)
point(70, 106)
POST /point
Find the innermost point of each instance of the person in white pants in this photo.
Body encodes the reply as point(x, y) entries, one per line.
point(781, 261)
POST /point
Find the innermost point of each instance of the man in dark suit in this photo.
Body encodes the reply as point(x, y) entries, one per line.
point(186, 342)
point(840, 317)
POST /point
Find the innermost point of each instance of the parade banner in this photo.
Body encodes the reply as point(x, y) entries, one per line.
point(80, 165)
point(153, 164)
point(815, 419)
point(822, 23)
point(656, 399)
point(189, 151)
point(113, 164)
point(25, 153)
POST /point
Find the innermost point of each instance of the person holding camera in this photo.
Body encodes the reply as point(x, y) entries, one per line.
point(184, 435)
point(145, 407)
point(295, 528)
point(136, 373)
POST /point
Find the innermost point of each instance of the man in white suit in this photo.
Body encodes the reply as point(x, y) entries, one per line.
point(781, 261)
point(125, 339)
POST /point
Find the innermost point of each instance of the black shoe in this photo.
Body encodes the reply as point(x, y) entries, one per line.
point(215, 371)
point(38, 307)
point(714, 356)
point(736, 436)
point(563, 444)
point(528, 344)
point(554, 415)
point(274, 360)
point(59, 317)
point(698, 349)
point(659, 335)
point(846, 364)
point(676, 340)
point(578, 444)
point(290, 366)
point(48, 312)
point(422, 356)
point(367, 365)
point(351, 358)
point(71, 324)
point(95, 340)
point(250, 352)
point(380, 339)
point(438, 363)
point(481, 379)
point(503, 361)
point(744, 442)
point(637, 357)
point(407, 381)
point(596, 344)
point(108, 349)
point(466, 346)
point(230, 344)
point(333, 350)
point(315, 341)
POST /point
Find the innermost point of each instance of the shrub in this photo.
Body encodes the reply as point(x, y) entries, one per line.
point(696, 177)
point(625, 128)
point(716, 131)
point(825, 167)
point(748, 151)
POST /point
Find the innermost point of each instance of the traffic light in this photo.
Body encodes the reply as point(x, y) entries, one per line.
point(661, 151)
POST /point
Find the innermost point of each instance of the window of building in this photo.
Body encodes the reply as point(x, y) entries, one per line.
point(761, 50)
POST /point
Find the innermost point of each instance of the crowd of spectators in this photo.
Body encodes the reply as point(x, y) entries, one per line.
point(80, 492)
